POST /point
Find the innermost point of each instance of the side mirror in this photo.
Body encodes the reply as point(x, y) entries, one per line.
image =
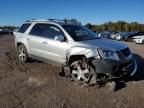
point(59, 38)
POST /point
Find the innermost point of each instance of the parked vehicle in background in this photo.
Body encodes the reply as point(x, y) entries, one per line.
point(122, 36)
point(6, 32)
point(130, 35)
point(117, 36)
point(113, 35)
point(10, 32)
point(89, 58)
point(126, 36)
point(15, 31)
point(138, 39)
point(105, 35)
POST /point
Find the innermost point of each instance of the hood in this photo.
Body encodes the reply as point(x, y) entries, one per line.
point(105, 43)
point(137, 37)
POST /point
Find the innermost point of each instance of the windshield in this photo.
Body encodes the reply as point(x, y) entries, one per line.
point(79, 33)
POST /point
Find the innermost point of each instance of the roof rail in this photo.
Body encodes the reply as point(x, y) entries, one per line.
point(35, 20)
point(52, 20)
point(59, 20)
point(67, 21)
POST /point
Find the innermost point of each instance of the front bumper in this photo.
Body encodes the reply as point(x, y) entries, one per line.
point(137, 40)
point(119, 38)
point(115, 69)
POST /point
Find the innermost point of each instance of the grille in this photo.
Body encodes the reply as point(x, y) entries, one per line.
point(121, 56)
point(126, 52)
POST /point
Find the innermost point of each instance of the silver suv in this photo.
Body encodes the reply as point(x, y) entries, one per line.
point(88, 57)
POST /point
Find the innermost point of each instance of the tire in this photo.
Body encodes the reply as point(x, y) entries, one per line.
point(22, 54)
point(83, 71)
point(143, 41)
point(126, 39)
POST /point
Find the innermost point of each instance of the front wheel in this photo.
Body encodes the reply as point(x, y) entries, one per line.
point(22, 53)
point(83, 72)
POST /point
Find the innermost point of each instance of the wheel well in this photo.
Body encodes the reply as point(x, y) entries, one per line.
point(19, 43)
point(75, 58)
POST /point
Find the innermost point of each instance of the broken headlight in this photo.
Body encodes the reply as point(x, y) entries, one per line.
point(108, 54)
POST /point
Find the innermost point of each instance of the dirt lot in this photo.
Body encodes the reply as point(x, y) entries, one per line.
point(38, 85)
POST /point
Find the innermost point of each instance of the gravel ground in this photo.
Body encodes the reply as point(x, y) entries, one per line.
point(38, 85)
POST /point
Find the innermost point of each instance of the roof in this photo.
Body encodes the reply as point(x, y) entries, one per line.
point(61, 22)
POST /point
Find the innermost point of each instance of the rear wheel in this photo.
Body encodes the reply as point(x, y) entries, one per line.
point(22, 53)
point(83, 72)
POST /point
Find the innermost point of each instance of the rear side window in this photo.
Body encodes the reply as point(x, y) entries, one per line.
point(46, 30)
point(23, 28)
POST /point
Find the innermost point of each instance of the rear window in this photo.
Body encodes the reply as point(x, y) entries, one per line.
point(23, 28)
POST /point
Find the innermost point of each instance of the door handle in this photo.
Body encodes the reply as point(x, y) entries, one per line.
point(44, 42)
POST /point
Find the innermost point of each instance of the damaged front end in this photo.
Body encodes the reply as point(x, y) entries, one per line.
point(111, 69)
point(108, 65)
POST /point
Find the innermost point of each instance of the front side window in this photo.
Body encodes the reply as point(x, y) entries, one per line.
point(46, 30)
point(23, 28)
point(79, 33)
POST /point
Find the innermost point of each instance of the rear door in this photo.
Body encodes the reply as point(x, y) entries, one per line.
point(35, 40)
point(22, 29)
point(20, 35)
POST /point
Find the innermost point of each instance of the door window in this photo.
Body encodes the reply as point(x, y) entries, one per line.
point(23, 28)
point(46, 30)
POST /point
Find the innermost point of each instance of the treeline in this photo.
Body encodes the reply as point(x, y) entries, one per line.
point(109, 26)
point(120, 26)
point(8, 27)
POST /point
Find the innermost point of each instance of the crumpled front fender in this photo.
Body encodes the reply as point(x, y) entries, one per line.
point(88, 53)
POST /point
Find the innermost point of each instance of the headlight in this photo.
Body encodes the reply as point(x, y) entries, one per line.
point(108, 54)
